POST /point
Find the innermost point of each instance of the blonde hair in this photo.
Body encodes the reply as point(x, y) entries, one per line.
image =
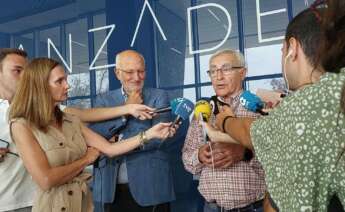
point(33, 100)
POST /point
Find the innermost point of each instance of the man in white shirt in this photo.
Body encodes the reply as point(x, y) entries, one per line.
point(16, 187)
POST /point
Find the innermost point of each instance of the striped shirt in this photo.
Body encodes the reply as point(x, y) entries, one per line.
point(234, 187)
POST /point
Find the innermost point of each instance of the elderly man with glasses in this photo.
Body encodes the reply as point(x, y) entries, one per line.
point(142, 179)
point(229, 179)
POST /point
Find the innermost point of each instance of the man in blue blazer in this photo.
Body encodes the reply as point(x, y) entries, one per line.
point(142, 179)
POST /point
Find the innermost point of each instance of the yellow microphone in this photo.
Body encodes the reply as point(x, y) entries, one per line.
point(203, 109)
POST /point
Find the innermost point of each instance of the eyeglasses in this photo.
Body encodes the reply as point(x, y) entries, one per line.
point(226, 69)
point(132, 72)
point(6, 144)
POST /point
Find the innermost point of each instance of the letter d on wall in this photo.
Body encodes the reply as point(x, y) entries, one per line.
point(189, 10)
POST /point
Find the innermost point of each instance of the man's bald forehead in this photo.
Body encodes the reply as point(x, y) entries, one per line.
point(129, 54)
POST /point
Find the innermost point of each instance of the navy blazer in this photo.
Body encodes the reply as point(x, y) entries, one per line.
point(149, 172)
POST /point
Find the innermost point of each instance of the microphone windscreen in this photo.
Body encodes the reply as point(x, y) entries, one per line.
point(202, 108)
point(184, 109)
point(251, 102)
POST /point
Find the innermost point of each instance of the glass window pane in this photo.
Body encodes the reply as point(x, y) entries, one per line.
point(213, 25)
point(25, 41)
point(212, 28)
point(80, 103)
point(175, 65)
point(299, 5)
point(272, 25)
point(102, 75)
point(207, 91)
point(263, 55)
point(102, 81)
point(264, 60)
point(270, 84)
point(54, 35)
point(79, 79)
point(79, 84)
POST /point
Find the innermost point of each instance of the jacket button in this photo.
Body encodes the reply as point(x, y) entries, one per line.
point(60, 144)
point(63, 209)
point(70, 193)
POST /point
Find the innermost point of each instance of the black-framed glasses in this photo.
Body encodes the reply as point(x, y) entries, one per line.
point(225, 69)
point(6, 144)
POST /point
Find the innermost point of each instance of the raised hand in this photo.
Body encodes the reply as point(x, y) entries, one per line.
point(224, 112)
point(161, 131)
point(140, 111)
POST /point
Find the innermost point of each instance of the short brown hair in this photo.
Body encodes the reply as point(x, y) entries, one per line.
point(6, 51)
point(33, 100)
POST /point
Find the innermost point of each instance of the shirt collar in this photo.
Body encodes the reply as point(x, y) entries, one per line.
point(233, 98)
point(124, 94)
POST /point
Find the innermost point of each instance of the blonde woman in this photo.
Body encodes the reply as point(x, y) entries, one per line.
point(54, 146)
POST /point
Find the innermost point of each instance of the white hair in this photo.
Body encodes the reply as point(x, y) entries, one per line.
point(238, 55)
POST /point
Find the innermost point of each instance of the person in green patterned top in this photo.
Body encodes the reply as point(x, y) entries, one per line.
point(301, 143)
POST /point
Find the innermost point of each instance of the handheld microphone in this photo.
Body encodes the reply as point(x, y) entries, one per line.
point(215, 102)
point(172, 105)
point(252, 103)
point(203, 109)
point(183, 110)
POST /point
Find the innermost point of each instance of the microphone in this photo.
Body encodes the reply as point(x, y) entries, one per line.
point(252, 102)
point(203, 109)
point(215, 102)
point(172, 105)
point(183, 110)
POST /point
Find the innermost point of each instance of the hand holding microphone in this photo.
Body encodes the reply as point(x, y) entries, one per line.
point(172, 106)
point(203, 112)
point(140, 111)
point(271, 98)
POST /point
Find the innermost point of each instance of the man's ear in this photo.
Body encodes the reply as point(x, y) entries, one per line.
point(117, 73)
point(243, 73)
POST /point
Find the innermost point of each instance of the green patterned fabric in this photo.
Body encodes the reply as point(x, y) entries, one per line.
point(300, 146)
